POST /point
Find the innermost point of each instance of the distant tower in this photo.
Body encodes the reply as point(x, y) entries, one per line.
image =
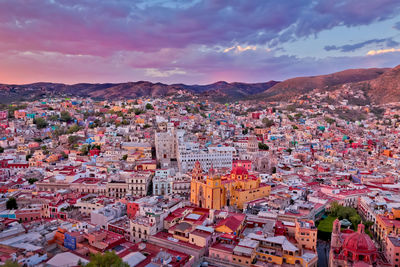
point(197, 173)
point(336, 242)
point(252, 144)
point(196, 185)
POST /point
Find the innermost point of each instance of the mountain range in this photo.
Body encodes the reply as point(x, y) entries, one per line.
point(382, 85)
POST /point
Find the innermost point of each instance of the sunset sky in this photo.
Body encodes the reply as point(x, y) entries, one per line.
point(193, 42)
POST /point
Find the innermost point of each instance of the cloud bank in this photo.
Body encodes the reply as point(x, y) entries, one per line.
point(192, 41)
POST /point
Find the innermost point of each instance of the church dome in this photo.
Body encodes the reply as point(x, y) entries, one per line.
point(359, 242)
point(239, 171)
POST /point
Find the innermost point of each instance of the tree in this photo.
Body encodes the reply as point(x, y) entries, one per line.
point(355, 220)
point(40, 123)
point(45, 150)
point(32, 180)
point(11, 204)
point(84, 150)
point(368, 224)
point(73, 129)
point(268, 123)
point(263, 146)
point(73, 139)
point(59, 131)
point(10, 263)
point(108, 259)
point(124, 157)
point(149, 106)
point(335, 208)
point(53, 117)
point(64, 155)
point(298, 115)
point(291, 108)
point(348, 213)
point(65, 116)
point(329, 120)
point(138, 111)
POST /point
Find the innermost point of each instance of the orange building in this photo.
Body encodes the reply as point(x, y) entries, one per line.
point(19, 114)
point(213, 191)
point(387, 225)
point(392, 250)
point(306, 234)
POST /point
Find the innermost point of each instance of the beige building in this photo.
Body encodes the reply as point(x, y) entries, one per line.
point(88, 205)
point(142, 227)
point(166, 145)
point(138, 183)
point(117, 189)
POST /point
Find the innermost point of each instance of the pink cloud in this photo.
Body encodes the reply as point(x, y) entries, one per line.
point(99, 40)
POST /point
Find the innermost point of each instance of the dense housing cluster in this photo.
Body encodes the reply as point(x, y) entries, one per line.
point(167, 183)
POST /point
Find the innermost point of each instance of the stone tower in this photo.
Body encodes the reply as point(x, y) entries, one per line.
point(336, 242)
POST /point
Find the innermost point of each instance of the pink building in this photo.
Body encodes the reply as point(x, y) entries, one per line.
point(242, 163)
point(3, 114)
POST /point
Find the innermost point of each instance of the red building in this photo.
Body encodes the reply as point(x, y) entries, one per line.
point(256, 115)
point(349, 248)
point(94, 152)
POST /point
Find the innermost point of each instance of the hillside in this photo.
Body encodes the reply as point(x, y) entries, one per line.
point(302, 85)
point(385, 88)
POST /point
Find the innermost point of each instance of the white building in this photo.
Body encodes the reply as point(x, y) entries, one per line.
point(162, 182)
point(102, 216)
point(218, 157)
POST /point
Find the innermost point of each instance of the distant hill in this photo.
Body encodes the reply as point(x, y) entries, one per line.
point(382, 85)
point(231, 91)
point(216, 91)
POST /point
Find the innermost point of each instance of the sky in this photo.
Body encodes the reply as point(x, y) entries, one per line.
point(193, 41)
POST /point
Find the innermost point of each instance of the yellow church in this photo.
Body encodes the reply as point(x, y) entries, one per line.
point(213, 191)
